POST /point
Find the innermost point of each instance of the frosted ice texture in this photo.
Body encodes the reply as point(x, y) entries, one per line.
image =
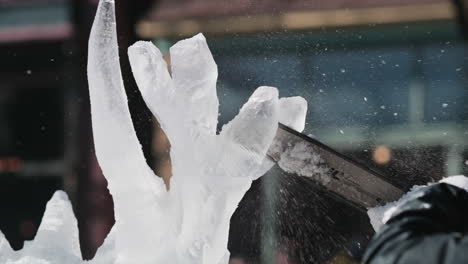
point(378, 216)
point(190, 223)
point(293, 111)
point(211, 173)
point(56, 240)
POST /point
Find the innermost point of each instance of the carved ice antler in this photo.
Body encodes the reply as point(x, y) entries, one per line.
point(211, 173)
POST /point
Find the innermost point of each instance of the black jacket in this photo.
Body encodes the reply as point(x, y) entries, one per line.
point(429, 229)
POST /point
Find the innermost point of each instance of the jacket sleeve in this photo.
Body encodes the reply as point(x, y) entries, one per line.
point(428, 229)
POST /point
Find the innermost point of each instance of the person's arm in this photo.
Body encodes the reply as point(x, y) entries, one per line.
point(428, 229)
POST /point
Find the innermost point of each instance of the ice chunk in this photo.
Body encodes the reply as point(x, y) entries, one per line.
point(56, 240)
point(58, 233)
point(293, 112)
point(195, 74)
point(252, 128)
point(154, 81)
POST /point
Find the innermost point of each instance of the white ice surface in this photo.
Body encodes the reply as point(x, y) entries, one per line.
point(56, 241)
point(378, 216)
point(293, 111)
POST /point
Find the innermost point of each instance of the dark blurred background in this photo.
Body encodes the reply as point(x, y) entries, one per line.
point(386, 83)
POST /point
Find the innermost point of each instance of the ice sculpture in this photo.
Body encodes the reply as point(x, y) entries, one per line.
point(188, 224)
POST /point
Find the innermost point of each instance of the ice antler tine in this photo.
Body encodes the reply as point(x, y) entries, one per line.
point(256, 124)
point(154, 82)
point(58, 229)
point(292, 112)
point(117, 147)
point(195, 73)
